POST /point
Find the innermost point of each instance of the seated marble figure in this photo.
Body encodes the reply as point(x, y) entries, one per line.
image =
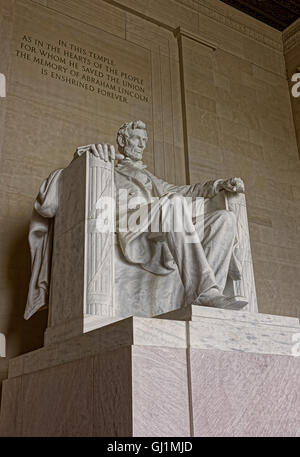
point(203, 248)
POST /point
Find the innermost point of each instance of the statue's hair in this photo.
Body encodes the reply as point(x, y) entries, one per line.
point(123, 132)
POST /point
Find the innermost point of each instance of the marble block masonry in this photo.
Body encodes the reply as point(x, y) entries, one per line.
point(194, 372)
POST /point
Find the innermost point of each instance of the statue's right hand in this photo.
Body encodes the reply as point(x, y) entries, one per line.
point(105, 152)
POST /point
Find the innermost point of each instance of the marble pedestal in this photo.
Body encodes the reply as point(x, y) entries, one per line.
point(196, 372)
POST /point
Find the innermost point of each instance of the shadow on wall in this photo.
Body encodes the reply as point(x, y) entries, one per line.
point(21, 336)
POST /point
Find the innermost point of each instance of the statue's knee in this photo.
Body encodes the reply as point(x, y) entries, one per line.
point(178, 203)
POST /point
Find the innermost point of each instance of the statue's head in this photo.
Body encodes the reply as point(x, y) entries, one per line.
point(132, 139)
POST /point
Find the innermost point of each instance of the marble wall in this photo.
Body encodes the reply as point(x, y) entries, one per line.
point(215, 98)
point(239, 123)
point(291, 43)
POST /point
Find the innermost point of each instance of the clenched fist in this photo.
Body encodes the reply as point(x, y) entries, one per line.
point(231, 185)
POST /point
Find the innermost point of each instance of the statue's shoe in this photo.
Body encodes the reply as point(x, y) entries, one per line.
point(222, 302)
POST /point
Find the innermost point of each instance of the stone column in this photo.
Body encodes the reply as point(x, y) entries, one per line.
point(82, 278)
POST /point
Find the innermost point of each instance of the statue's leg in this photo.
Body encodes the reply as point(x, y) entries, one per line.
point(197, 276)
point(217, 235)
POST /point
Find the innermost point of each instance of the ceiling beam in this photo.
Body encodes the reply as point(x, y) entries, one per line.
point(258, 13)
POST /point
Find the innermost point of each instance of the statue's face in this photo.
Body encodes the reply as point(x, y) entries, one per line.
point(135, 144)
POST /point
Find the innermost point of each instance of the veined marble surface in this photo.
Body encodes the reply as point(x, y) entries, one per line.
point(207, 329)
point(196, 313)
point(213, 373)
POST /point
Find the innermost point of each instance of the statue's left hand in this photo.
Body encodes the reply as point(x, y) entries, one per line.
point(233, 185)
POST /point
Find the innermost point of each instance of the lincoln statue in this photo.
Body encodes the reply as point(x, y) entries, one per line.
point(204, 249)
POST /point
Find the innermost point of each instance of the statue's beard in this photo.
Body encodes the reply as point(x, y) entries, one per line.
point(132, 154)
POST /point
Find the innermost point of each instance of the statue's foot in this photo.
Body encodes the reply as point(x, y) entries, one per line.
point(222, 302)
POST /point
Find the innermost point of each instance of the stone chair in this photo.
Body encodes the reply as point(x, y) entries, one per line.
point(91, 282)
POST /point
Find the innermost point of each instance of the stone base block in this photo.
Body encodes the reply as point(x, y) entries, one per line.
point(159, 377)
